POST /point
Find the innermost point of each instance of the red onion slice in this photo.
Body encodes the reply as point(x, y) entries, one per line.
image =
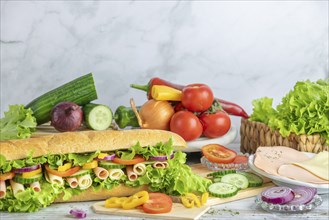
point(278, 195)
point(161, 158)
point(109, 157)
point(78, 213)
point(26, 169)
point(303, 195)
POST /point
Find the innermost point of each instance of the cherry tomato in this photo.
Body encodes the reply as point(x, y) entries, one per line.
point(158, 203)
point(215, 124)
point(218, 154)
point(137, 159)
point(66, 173)
point(6, 176)
point(186, 124)
point(197, 97)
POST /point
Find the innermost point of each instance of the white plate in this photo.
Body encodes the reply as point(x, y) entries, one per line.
point(284, 181)
point(195, 146)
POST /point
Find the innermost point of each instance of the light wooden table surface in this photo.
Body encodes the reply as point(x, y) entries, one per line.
point(241, 209)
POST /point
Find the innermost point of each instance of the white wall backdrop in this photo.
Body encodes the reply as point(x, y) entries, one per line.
point(242, 49)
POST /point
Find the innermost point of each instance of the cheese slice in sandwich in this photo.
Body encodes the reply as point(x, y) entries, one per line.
point(317, 165)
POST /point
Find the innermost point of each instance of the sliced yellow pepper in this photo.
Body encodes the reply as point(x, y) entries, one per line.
point(160, 92)
point(91, 165)
point(31, 173)
point(65, 167)
point(187, 202)
point(190, 199)
point(115, 202)
point(136, 200)
point(204, 198)
point(102, 155)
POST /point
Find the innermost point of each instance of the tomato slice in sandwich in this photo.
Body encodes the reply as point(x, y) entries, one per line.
point(6, 176)
point(158, 203)
point(68, 172)
point(137, 159)
point(218, 154)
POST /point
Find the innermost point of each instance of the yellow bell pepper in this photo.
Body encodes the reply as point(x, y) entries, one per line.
point(190, 199)
point(31, 173)
point(160, 92)
point(65, 167)
point(102, 155)
point(115, 202)
point(204, 198)
point(91, 165)
point(136, 200)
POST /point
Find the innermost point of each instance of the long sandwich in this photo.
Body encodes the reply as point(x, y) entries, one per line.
point(92, 165)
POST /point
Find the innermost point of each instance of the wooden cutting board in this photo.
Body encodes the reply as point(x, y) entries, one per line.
point(179, 211)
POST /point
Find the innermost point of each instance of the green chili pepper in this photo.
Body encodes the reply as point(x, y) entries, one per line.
point(125, 116)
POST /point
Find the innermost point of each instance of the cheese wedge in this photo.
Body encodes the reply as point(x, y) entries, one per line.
point(317, 165)
point(297, 173)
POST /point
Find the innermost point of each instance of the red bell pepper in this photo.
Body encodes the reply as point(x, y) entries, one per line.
point(229, 107)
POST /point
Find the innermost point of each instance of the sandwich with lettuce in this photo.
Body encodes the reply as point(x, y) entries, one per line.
point(92, 165)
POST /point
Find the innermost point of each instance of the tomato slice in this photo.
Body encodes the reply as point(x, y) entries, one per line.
point(68, 172)
point(158, 203)
point(6, 176)
point(218, 154)
point(240, 159)
point(135, 160)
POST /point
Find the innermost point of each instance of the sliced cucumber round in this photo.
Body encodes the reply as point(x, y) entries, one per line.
point(97, 117)
point(220, 173)
point(110, 165)
point(18, 178)
point(222, 190)
point(236, 179)
point(253, 179)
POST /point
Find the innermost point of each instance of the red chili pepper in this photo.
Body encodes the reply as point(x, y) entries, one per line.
point(229, 107)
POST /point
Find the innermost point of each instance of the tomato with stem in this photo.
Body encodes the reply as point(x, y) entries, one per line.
point(186, 124)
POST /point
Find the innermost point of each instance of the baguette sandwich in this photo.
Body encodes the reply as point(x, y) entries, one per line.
point(92, 165)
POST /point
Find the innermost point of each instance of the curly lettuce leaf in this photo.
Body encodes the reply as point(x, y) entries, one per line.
point(304, 110)
point(18, 123)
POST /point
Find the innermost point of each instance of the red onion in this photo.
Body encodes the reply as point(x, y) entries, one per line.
point(78, 213)
point(303, 195)
point(278, 195)
point(109, 157)
point(66, 116)
point(26, 169)
point(161, 158)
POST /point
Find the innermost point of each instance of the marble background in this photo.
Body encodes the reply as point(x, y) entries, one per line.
point(242, 49)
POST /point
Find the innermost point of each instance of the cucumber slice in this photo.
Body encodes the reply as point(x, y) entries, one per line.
point(80, 173)
point(110, 165)
point(217, 179)
point(97, 117)
point(222, 190)
point(18, 178)
point(220, 173)
point(236, 179)
point(253, 179)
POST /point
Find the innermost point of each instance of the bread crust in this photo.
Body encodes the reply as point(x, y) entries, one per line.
point(103, 194)
point(86, 141)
